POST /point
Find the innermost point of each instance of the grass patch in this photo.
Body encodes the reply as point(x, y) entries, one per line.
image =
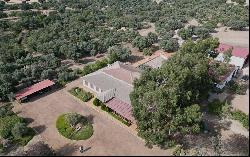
point(97, 103)
point(241, 117)
point(69, 132)
point(81, 94)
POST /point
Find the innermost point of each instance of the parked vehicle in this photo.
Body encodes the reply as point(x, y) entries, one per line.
point(244, 78)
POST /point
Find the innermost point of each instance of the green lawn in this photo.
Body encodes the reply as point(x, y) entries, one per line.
point(67, 131)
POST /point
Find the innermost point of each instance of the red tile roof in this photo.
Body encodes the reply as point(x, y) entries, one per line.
point(122, 108)
point(236, 51)
point(34, 88)
point(240, 52)
point(223, 47)
point(123, 72)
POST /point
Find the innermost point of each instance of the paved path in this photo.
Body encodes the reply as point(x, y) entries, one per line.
point(109, 137)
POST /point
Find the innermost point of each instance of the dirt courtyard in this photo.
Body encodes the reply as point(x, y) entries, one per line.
point(234, 38)
point(109, 138)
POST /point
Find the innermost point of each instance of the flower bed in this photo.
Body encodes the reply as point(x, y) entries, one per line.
point(81, 94)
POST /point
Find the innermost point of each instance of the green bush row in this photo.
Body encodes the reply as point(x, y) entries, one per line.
point(94, 66)
point(242, 117)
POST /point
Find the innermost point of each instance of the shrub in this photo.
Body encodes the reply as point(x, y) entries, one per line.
point(105, 108)
point(219, 108)
point(72, 118)
point(177, 151)
point(147, 52)
point(171, 45)
point(7, 123)
point(118, 53)
point(25, 139)
point(242, 117)
point(19, 130)
point(201, 32)
point(237, 88)
point(6, 111)
point(185, 33)
point(97, 102)
point(237, 24)
point(94, 66)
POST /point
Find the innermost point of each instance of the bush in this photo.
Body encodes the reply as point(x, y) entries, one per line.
point(171, 45)
point(237, 24)
point(105, 108)
point(25, 139)
point(19, 130)
point(185, 33)
point(6, 111)
point(96, 102)
point(147, 52)
point(177, 151)
point(7, 123)
point(118, 53)
point(242, 117)
point(73, 118)
point(219, 108)
point(237, 88)
point(94, 66)
point(201, 32)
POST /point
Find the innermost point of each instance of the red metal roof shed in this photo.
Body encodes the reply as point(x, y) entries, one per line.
point(34, 88)
point(122, 108)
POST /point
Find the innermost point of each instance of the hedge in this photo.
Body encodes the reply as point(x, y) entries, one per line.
point(94, 66)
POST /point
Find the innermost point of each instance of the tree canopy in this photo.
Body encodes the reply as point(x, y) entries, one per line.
point(165, 100)
point(34, 42)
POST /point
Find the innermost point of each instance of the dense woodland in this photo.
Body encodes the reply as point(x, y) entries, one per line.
point(166, 101)
point(33, 45)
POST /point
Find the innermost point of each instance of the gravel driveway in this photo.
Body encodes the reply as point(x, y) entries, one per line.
point(109, 137)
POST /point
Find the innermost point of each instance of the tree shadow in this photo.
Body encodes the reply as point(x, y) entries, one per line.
point(215, 123)
point(67, 149)
point(28, 120)
point(87, 149)
point(90, 119)
point(86, 60)
point(38, 96)
point(18, 112)
point(237, 144)
point(40, 128)
point(133, 58)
